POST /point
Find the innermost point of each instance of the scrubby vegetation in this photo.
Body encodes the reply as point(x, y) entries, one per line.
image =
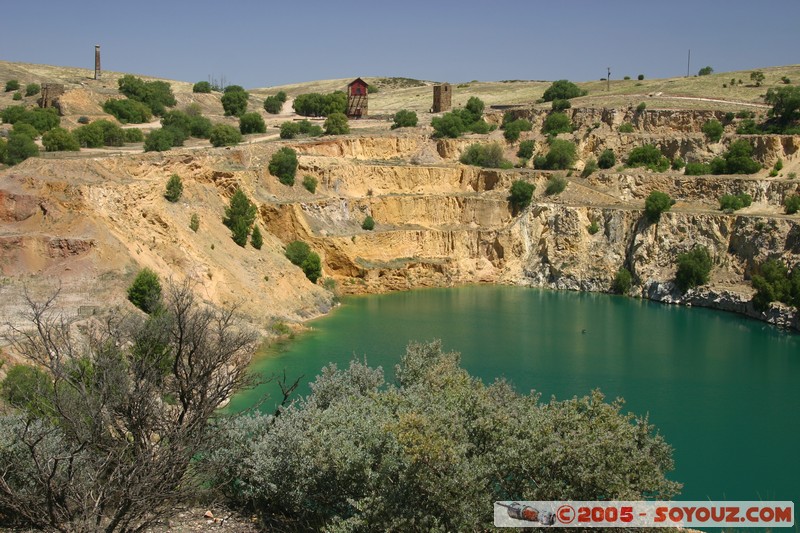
point(458, 122)
point(648, 156)
point(224, 135)
point(239, 217)
point(622, 281)
point(713, 130)
point(60, 140)
point(513, 129)
point(174, 188)
point(556, 123)
point(560, 156)
point(320, 105)
point(694, 268)
point(368, 224)
point(274, 104)
point(290, 130)
point(526, 149)
point(656, 203)
point(404, 119)
point(300, 254)
point(774, 283)
point(555, 185)
point(310, 183)
point(145, 291)
point(562, 90)
point(606, 159)
point(234, 100)
point(336, 124)
point(251, 123)
point(485, 155)
point(283, 165)
point(201, 87)
point(520, 194)
point(156, 95)
point(734, 202)
point(736, 160)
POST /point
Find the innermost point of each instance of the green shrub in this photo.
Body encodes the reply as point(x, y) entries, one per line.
point(556, 123)
point(12, 85)
point(622, 281)
point(560, 156)
point(589, 168)
point(678, 163)
point(520, 194)
point(705, 71)
point(194, 222)
point(562, 90)
point(23, 128)
point(540, 162)
point(28, 388)
point(640, 77)
point(626, 127)
point(41, 119)
point(234, 101)
point(224, 135)
point(648, 156)
point(513, 129)
point(785, 102)
point(555, 185)
point(791, 204)
point(404, 119)
point(256, 240)
point(32, 89)
point(641, 107)
point(201, 87)
point(368, 224)
point(281, 96)
point(128, 111)
point(239, 217)
point(3, 151)
point(90, 135)
point(606, 159)
point(297, 252)
point(526, 149)
point(694, 268)
point(283, 165)
point(778, 165)
point(320, 105)
point(83, 120)
point(483, 155)
point(19, 148)
point(593, 228)
point(561, 105)
point(158, 141)
point(272, 105)
point(179, 120)
point(12, 114)
point(174, 188)
point(200, 126)
point(758, 77)
point(312, 267)
point(773, 283)
point(737, 160)
point(60, 140)
point(310, 183)
point(713, 130)
point(656, 203)
point(145, 291)
point(17, 96)
point(786, 80)
point(156, 95)
point(289, 130)
point(336, 124)
point(735, 202)
point(448, 125)
point(113, 135)
point(133, 135)
point(697, 169)
point(252, 123)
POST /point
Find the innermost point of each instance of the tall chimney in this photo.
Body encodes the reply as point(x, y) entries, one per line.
point(97, 61)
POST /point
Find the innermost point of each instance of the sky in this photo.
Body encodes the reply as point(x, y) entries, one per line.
point(266, 43)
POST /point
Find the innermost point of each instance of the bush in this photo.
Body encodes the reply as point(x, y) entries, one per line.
point(272, 105)
point(252, 123)
point(283, 165)
point(555, 185)
point(17, 96)
point(32, 89)
point(778, 165)
point(640, 77)
point(526, 149)
point(561, 105)
point(3, 151)
point(697, 169)
point(234, 101)
point(310, 183)
point(289, 130)
point(622, 281)
point(562, 90)
point(404, 119)
point(678, 163)
point(158, 141)
point(25, 387)
point(705, 71)
point(224, 135)
point(520, 194)
point(194, 222)
point(301, 255)
point(735, 202)
point(60, 140)
point(128, 111)
point(113, 135)
point(25, 129)
point(145, 291)
point(483, 155)
point(256, 240)
point(320, 105)
point(713, 130)
point(656, 203)
point(12, 85)
point(513, 129)
point(540, 162)
point(589, 168)
point(174, 188)
point(133, 135)
point(758, 77)
point(785, 102)
point(41, 119)
point(641, 107)
point(606, 159)
point(19, 148)
point(773, 283)
point(83, 120)
point(178, 120)
point(593, 228)
point(791, 204)
point(694, 268)
point(90, 135)
point(556, 123)
point(626, 127)
point(156, 95)
point(448, 125)
point(200, 126)
point(281, 96)
point(239, 217)
point(12, 114)
point(336, 124)
point(786, 80)
point(368, 224)
point(560, 156)
point(648, 156)
point(737, 160)
point(201, 87)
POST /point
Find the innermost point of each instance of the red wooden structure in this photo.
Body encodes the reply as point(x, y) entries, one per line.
point(357, 102)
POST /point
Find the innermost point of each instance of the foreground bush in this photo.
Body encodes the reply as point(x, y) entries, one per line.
point(251, 123)
point(224, 135)
point(336, 124)
point(60, 140)
point(145, 291)
point(428, 450)
point(283, 165)
point(694, 268)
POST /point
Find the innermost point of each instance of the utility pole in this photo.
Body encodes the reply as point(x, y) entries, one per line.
point(608, 79)
point(688, 62)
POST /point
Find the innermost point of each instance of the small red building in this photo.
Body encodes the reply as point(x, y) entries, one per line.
point(357, 102)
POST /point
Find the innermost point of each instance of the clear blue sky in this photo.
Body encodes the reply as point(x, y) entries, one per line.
point(262, 43)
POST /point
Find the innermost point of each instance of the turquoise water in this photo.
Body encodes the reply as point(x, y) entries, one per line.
point(722, 389)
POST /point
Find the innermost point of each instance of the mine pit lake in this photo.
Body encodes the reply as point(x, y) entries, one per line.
point(722, 389)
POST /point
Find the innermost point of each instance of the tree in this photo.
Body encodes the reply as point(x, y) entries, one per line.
point(174, 188)
point(300, 254)
point(773, 283)
point(60, 140)
point(404, 119)
point(648, 156)
point(145, 291)
point(200, 127)
point(448, 125)
point(224, 135)
point(713, 130)
point(736, 160)
point(12, 85)
point(656, 203)
point(256, 239)
point(289, 130)
point(234, 101)
point(156, 95)
point(128, 111)
point(179, 120)
point(606, 159)
point(561, 156)
point(562, 90)
point(159, 140)
point(556, 123)
point(239, 217)
point(622, 281)
point(252, 123)
point(368, 223)
point(336, 124)
point(90, 135)
point(785, 102)
point(201, 87)
point(640, 77)
point(526, 149)
point(320, 105)
point(694, 268)
point(32, 89)
point(312, 267)
point(283, 165)
point(19, 148)
point(41, 119)
point(272, 105)
point(513, 129)
point(705, 71)
point(423, 452)
point(758, 77)
point(129, 408)
point(521, 193)
point(474, 107)
point(561, 105)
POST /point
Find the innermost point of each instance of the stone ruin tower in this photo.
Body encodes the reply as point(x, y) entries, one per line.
point(357, 102)
point(442, 98)
point(97, 61)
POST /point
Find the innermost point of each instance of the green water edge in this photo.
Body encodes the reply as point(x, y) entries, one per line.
point(720, 387)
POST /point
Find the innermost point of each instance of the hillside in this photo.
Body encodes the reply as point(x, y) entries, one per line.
point(88, 221)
